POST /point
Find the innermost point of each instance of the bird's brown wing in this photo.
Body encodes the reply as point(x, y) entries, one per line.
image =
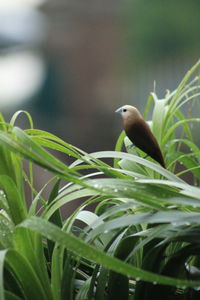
point(141, 136)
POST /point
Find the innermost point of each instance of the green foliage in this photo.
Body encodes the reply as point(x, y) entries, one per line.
point(141, 241)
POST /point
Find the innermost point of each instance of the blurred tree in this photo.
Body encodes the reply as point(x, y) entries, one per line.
point(159, 29)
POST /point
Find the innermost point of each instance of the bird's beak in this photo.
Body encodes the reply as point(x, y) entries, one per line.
point(119, 110)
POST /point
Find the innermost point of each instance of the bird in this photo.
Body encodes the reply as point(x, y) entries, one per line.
point(139, 133)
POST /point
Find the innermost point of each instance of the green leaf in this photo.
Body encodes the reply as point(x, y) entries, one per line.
point(55, 217)
point(2, 262)
point(83, 292)
point(26, 275)
point(118, 146)
point(16, 205)
point(158, 118)
point(139, 160)
point(182, 85)
point(176, 218)
point(11, 296)
point(87, 251)
point(148, 105)
point(6, 232)
point(176, 125)
point(18, 114)
point(29, 245)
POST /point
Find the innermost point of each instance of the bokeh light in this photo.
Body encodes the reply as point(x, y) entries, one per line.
point(18, 85)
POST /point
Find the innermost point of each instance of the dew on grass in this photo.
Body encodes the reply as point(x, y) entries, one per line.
point(171, 206)
point(187, 223)
point(181, 286)
point(137, 279)
point(174, 223)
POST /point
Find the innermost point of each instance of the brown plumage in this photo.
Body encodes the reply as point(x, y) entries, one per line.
point(139, 133)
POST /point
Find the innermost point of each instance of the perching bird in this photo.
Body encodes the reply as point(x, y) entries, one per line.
point(139, 132)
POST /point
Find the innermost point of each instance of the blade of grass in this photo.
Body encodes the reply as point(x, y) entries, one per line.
point(77, 246)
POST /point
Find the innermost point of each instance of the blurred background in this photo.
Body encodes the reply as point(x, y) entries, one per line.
point(72, 63)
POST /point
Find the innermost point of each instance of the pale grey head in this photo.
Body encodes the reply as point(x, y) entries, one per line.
point(129, 112)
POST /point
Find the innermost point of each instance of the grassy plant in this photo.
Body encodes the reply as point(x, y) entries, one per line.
point(142, 239)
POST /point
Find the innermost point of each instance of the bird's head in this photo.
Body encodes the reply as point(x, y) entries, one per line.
point(129, 112)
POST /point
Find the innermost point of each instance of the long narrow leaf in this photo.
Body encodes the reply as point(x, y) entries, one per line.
point(77, 246)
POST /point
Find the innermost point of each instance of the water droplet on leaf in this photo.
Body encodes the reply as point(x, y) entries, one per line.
point(137, 278)
point(174, 223)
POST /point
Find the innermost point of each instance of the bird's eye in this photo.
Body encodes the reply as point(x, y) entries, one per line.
point(124, 109)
